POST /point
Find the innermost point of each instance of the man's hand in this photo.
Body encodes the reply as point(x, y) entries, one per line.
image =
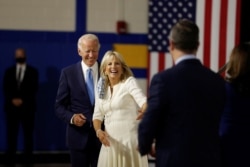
point(17, 102)
point(153, 151)
point(79, 120)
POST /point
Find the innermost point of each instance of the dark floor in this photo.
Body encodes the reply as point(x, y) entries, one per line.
point(40, 165)
point(38, 160)
point(45, 160)
point(56, 165)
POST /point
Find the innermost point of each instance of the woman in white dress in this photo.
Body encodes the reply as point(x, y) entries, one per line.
point(120, 104)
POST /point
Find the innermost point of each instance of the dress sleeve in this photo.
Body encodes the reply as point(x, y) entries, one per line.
point(135, 91)
point(98, 114)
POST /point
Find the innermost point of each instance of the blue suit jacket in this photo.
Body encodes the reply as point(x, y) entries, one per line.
point(184, 109)
point(72, 97)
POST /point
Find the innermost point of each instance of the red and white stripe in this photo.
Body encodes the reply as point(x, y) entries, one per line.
point(158, 61)
point(219, 24)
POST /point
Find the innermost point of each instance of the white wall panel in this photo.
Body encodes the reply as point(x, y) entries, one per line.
point(40, 15)
point(102, 15)
point(143, 84)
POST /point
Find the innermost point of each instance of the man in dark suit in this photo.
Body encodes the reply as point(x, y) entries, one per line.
point(20, 86)
point(75, 103)
point(184, 107)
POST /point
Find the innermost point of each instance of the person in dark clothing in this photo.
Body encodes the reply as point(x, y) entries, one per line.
point(184, 108)
point(20, 86)
point(75, 102)
point(235, 122)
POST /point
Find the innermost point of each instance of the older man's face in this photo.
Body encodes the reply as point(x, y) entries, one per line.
point(89, 51)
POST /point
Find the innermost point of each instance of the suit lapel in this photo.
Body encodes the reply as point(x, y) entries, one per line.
point(25, 74)
point(81, 80)
point(80, 76)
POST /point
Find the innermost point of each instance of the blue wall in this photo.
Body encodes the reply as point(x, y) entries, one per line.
point(49, 52)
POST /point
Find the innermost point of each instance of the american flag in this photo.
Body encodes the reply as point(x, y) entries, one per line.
point(218, 21)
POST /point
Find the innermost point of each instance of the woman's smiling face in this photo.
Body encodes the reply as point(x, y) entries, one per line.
point(114, 69)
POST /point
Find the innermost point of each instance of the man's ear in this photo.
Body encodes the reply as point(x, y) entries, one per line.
point(198, 45)
point(78, 50)
point(171, 45)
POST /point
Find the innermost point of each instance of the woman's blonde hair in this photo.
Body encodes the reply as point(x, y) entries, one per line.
point(238, 64)
point(238, 69)
point(126, 71)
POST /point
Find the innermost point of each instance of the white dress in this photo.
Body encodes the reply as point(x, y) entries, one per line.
point(119, 112)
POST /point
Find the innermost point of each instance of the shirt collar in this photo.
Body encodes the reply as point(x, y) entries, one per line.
point(23, 66)
point(184, 57)
point(85, 67)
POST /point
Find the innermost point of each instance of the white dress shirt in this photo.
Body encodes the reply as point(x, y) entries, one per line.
point(94, 71)
point(95, 77)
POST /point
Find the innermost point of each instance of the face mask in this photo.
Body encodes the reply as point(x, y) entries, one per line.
point(20, 60)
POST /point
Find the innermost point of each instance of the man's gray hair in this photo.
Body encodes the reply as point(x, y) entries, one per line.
point(91, 37)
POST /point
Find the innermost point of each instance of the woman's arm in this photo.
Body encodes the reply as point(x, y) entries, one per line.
point(142, 111)
point(102, 135)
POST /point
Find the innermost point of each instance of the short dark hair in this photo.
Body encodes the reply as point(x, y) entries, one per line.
point(185, 36)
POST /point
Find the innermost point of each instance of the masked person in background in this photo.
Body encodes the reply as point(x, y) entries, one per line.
point(20, 87)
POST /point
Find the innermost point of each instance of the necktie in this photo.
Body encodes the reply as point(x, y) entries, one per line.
point(90, 85)
point(19, 75)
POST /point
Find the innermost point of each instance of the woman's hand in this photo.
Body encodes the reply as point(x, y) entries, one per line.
point(142, 111)
point(153, 151)
point(103, 137)
point(140, 115)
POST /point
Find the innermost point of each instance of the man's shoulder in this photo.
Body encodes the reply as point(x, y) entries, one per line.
point(32, 70)
point(163, 76)
point(71, 67)
point(31, 67)
point(214, 75)
point(71, 70)
point(165, 73)
point(10, 68)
